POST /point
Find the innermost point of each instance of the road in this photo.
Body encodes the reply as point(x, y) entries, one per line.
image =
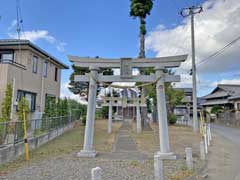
point(232, 134)
point(224, 156)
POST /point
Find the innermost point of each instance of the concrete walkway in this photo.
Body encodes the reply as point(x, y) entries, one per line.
point(125, 147)
point(124, 142)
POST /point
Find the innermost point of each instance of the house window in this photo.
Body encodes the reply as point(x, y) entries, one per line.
point(31, 98)
point(34, 64)
point(6, 55)
point(56, 74)
point(45, 69)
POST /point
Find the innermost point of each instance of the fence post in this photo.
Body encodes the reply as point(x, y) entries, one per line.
point(15, 132)
point(210, 133)
point(202, 151)
point(35, 127)
point(205, 143)
point(4, 134)
point(96, 173)
point(158, 167)
point(46, 124)
point(189, 159)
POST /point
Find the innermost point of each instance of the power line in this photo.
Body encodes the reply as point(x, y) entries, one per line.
point(219, 51)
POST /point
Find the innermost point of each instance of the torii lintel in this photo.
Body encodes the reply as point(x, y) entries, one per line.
point(166, 62)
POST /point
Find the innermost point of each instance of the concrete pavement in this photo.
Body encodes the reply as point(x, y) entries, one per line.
point(224, 156)
point(232, 134)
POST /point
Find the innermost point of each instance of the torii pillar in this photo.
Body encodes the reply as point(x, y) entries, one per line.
point(138, 114)
point(88, 150)
point(110, 117)
point(162, 113)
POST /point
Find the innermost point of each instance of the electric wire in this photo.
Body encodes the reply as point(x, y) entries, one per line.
point(217, 53)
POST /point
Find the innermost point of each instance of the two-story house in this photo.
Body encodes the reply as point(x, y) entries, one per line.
point(33, 73)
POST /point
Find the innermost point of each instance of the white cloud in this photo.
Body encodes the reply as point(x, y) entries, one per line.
point(216, 26)
point(61, 46)
point(12, 25)
point(226, 81)
point(65, 92)
point(36, 35)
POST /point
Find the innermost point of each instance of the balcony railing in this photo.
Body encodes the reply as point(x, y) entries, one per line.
point(7, 61)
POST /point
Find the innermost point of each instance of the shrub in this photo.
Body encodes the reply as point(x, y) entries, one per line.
point(216, 109)
point(7, 104)
point(84, 118)
point(23, 109)
point(172, 119)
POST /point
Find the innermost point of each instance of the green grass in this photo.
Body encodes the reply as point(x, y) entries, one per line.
point(66, 143)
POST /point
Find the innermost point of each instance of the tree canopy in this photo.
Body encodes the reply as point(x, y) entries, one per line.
point(140, 9)
point(81, 88)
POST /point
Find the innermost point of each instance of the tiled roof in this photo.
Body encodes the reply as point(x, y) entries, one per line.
point(217, 94)
point(230, 88)
point(215, 102)
point(235, 97)
point(224, 91)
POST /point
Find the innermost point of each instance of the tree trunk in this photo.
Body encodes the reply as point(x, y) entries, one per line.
point(142, 39)
point(142, 55)
point(142, 46)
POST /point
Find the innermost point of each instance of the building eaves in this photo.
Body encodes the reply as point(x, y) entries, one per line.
point(15, 42)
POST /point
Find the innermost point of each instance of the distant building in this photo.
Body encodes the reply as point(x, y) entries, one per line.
point(33, 73)
point(126, 112)
point(186, 104)
point(225, 95)
point(124, 103)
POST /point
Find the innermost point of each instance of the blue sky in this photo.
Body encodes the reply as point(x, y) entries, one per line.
point(94, 28)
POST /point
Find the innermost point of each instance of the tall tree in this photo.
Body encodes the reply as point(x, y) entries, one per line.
point(140, 9)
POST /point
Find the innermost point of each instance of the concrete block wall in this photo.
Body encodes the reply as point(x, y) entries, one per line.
point(12, 152)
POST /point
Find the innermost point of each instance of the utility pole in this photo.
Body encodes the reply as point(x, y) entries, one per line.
point(191, 11)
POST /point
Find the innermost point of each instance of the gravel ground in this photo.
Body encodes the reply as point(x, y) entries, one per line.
point(73, 168)
point(124, 163)
point(69, 167)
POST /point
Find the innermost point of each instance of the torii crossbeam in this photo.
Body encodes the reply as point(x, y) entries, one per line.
point(126, 65)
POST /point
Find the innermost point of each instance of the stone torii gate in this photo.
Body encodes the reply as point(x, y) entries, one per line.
point(114, 102)
point(126, 65)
